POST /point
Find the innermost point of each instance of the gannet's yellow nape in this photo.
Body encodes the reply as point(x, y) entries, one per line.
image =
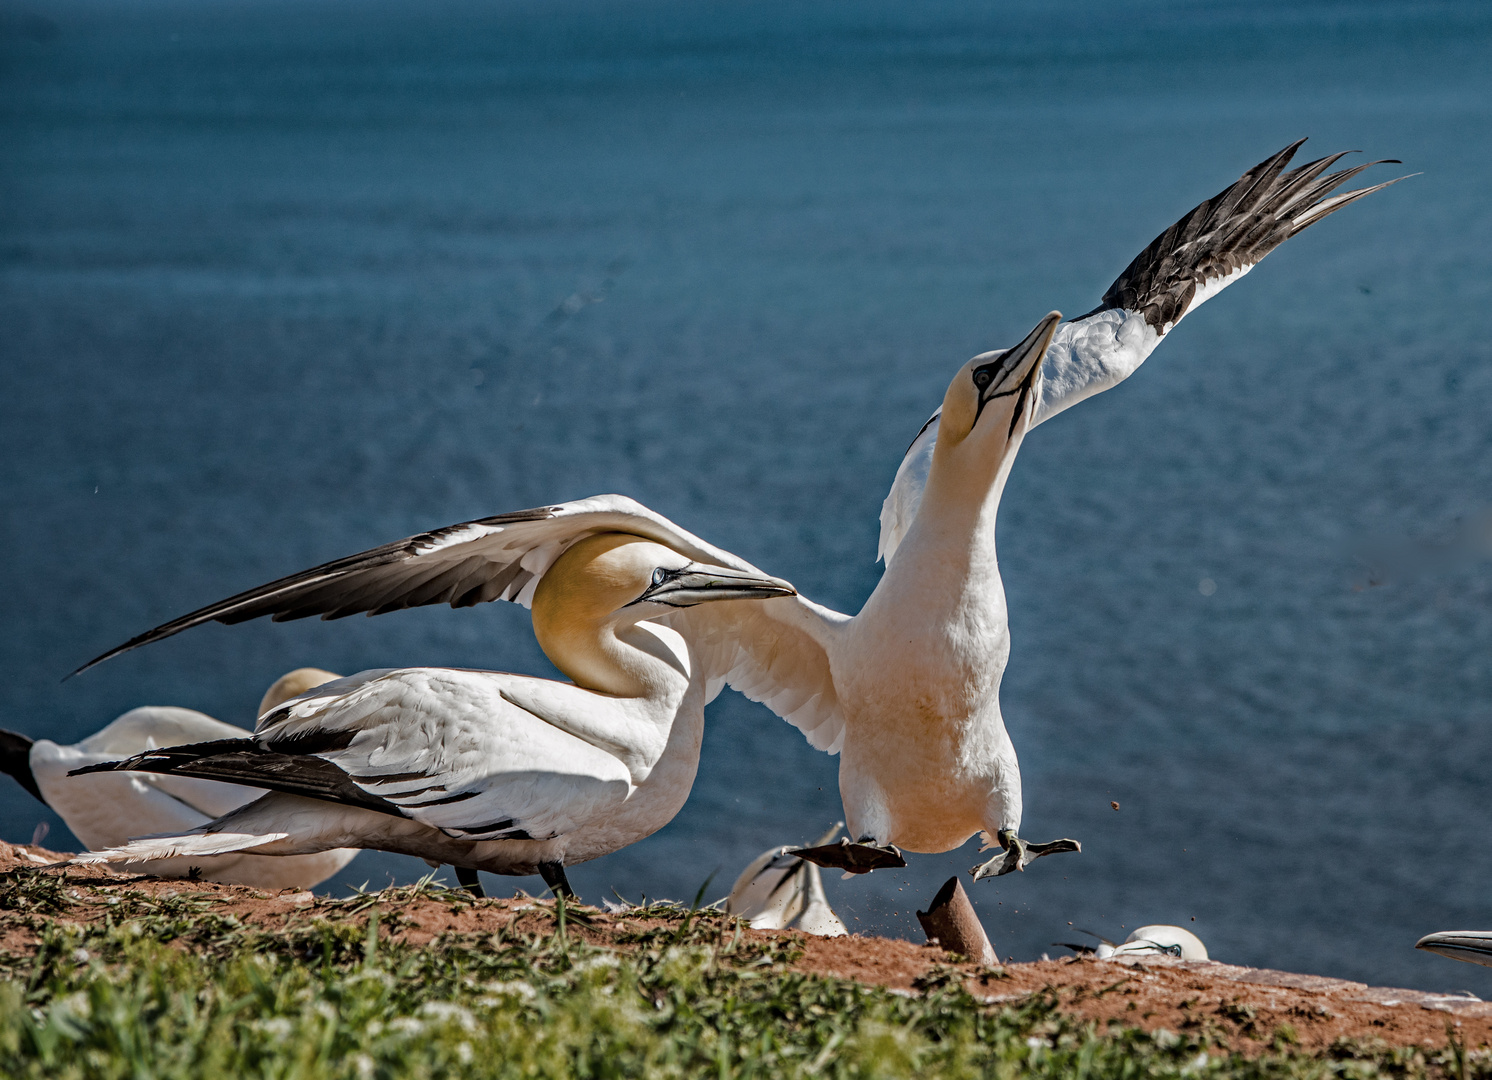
point(587, 605)
point(994, 392)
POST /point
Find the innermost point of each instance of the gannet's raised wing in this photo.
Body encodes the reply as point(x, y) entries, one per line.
point(1195, 259)
point(775, 655)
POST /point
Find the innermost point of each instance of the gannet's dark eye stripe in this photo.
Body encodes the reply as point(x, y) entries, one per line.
point(991, 374)
point(662, 575)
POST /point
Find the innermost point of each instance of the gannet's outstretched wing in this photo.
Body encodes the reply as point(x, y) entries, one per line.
point(492, 558)
point(476, 765)
point(775, 652)
point(1195, 259)
point(775, 655)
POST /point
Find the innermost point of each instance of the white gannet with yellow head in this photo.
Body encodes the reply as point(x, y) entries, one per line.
point(926, 758)
point(481, 769)
point(106, 809)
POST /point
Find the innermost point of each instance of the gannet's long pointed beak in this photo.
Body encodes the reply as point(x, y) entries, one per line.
point(1473, 946)
point(1016, 368)
point(696, 584)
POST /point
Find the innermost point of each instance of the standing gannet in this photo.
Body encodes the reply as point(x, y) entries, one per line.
point(107, 809)
point(480, 769)
point(917, 672)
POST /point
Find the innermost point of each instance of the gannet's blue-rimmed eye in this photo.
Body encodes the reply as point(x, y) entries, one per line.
point(983, 377)
point(658, 576)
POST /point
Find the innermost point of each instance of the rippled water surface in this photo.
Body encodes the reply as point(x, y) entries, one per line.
point(280, 281)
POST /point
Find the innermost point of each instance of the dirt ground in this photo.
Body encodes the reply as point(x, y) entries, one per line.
point(1249, 1008)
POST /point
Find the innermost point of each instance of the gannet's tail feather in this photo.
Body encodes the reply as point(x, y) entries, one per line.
point(195, 844)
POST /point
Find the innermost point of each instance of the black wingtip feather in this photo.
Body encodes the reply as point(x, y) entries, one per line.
point(323, 590)
point(1232, 231)
point(15, 760)
point(249, 763)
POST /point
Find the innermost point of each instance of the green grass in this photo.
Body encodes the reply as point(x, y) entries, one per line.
point(167, 988)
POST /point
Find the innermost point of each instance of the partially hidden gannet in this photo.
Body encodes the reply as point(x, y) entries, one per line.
point(1158, 940)
point(481, 769)
point(104, 810)
point(779, 891)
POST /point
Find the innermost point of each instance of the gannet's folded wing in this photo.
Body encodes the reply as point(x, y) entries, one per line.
point(493, 558)
point(1195, 259)
point(104, 810)
point(775, 652)
point(475, 766)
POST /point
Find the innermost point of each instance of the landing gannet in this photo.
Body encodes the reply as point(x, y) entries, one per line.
point(107, 809)
point(480, 769)
point(926, 758)
point(778, 890)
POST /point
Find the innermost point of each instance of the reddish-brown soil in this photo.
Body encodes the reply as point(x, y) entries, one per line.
point(1248, 1008)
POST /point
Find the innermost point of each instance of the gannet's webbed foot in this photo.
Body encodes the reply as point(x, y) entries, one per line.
point(1017, 854)
point(859, 858)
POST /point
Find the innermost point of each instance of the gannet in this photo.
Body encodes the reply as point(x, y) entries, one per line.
point(1158, 940)
point(107, 809)
point(483, 770)
point(926, 760)
point(907, 691)
point(778, 891)
point(1472, 946)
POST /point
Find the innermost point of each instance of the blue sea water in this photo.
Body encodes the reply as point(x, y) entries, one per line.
point(282, 281)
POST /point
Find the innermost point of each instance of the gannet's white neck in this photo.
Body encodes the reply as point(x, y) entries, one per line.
point(954, 530)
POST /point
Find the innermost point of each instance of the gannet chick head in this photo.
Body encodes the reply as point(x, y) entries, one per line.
point(990, 401)
point(607, 583)
point(292, 685)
